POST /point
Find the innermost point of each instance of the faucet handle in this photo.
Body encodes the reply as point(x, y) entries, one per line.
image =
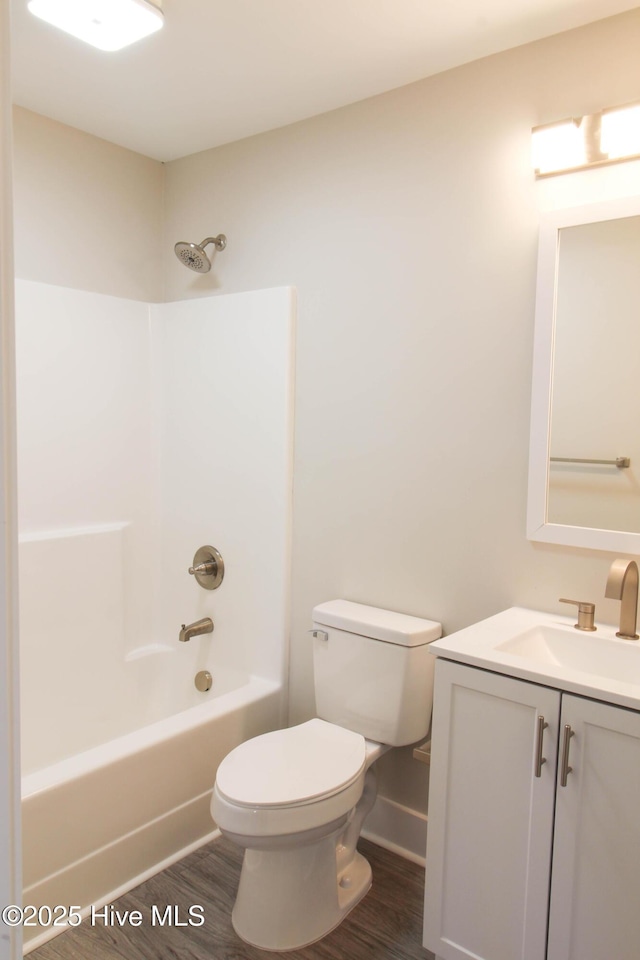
point(586, 614)
point(207, 567)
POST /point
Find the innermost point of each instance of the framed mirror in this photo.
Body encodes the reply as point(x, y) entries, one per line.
point(584, 459)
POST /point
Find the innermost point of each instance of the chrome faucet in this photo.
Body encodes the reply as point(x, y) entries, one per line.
point(622, 584)
point(195, 629)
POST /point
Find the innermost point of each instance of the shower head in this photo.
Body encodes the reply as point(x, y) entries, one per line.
point(193, 255)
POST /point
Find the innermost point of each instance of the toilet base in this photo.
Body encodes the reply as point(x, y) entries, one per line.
point(291, 898)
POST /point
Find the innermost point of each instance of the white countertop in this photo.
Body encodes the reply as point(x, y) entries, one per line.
point(583, 670)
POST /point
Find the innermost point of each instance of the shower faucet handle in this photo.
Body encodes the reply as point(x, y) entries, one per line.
point(207, 567)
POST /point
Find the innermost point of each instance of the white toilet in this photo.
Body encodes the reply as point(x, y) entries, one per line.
point(295, 799)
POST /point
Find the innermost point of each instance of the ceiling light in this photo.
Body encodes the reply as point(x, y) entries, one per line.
point(106, 24)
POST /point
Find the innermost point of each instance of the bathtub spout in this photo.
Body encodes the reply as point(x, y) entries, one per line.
point(195, 629)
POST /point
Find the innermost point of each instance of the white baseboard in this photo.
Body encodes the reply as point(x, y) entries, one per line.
point(397, 828)
point(118, 867)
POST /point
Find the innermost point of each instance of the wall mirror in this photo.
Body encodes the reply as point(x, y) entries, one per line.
point(584, 466)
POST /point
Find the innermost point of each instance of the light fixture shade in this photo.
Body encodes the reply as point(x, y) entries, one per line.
point(620, 131)
point(106, 24)
point(559, 146)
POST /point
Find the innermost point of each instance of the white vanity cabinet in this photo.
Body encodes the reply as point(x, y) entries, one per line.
point(519, 865)
point(595, 880)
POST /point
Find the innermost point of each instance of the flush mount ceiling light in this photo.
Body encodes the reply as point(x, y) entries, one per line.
point(611, 136)
point(106, 24)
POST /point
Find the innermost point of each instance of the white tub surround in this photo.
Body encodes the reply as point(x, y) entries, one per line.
point(145, 432)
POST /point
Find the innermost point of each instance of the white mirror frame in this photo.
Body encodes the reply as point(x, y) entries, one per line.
point(538, 528)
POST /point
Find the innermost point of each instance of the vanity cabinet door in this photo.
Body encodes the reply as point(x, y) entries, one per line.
point(490, 816)
point(595, 885)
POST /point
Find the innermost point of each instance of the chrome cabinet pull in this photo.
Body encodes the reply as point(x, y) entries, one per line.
point(565, 769)
point(540, 727)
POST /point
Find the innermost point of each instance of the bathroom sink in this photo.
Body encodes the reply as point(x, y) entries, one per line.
point(547, 649)
point(577, 650)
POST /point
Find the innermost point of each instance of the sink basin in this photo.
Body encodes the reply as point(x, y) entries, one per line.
point(547, 649)
point(585, 652)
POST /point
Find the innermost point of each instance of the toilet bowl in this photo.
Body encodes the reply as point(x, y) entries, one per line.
point(296, 799)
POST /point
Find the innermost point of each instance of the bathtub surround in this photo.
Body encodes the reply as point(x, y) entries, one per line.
point(144, 432)
point(408, 224)
point(149, 424)
point(226, 439)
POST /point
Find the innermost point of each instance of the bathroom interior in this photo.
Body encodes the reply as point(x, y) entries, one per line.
point(351, 403)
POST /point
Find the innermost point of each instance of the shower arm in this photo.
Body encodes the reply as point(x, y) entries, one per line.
point(219, 242)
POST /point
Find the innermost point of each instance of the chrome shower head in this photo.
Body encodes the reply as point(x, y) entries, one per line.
point(193, 255)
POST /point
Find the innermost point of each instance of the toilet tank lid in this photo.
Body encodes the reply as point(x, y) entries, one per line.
point(378, 624)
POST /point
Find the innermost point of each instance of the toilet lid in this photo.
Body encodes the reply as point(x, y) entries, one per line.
point(297, 765)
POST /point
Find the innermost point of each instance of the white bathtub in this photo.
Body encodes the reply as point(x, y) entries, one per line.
point(101, 822)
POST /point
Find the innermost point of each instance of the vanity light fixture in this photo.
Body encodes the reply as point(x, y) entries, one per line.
point(106, 24)
point(620, 132)
point(559, 146)
point(611, 136)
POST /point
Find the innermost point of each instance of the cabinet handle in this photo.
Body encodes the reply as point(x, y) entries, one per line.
point(565, 769)
point(540, 726)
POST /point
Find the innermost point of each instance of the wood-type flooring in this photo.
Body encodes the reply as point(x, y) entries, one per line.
point(385, 925)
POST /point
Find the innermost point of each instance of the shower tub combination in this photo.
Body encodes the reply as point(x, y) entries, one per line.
point(157, 429)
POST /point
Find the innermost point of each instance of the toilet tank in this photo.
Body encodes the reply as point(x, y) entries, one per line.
point(373, 672)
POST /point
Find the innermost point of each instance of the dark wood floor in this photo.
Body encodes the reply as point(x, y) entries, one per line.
point(386, 925)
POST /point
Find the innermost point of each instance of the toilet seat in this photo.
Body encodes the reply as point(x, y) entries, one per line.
point(293, 767)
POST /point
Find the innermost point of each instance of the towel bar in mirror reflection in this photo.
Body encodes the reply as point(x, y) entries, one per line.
point(620, 462)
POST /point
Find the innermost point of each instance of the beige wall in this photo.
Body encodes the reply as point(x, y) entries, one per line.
point(88, 214)
point(408, 224)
